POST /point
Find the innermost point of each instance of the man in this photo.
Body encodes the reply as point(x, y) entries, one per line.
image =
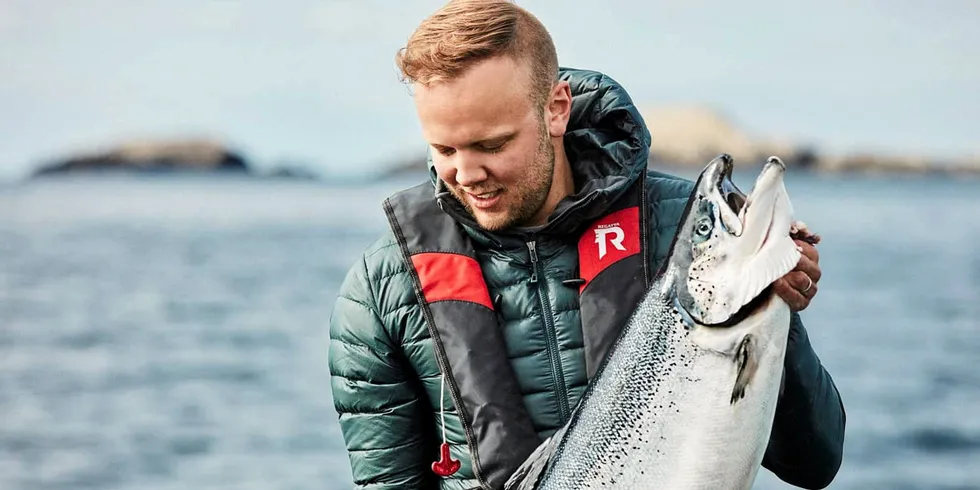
point(467, 323)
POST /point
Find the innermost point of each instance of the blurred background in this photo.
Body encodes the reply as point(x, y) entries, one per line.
point(184, 184)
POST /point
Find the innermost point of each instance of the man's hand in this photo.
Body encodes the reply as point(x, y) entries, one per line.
point(799, 286)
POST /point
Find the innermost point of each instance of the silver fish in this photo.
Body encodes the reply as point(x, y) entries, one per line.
point(686, 397)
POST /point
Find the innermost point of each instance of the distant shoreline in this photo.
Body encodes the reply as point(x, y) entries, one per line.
point(861, 165)
point(685, 142)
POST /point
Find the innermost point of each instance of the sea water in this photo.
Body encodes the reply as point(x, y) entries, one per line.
point(172, 333)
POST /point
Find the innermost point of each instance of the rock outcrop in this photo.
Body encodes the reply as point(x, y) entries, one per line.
point(693, 135)
point(153, 156)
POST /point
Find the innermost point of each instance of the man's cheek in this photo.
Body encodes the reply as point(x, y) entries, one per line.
point(444, 170)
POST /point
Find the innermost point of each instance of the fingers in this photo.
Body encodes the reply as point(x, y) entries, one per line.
point(789, 294)
point(800, 281)
point(808, 250)
point(799, 231)
point(810, 268)
point(790, 288)
point(805, 276)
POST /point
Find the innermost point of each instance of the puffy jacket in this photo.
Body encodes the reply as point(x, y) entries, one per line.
point(385, 376)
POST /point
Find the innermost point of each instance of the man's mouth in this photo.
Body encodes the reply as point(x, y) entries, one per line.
point(484, 200)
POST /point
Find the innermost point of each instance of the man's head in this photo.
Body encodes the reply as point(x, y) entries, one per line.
point(485, 78)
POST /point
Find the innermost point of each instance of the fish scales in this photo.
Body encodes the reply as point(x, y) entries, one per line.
point(642, 399)
point(619, 429)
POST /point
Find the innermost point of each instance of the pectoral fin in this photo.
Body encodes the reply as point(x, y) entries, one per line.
point(748, 364)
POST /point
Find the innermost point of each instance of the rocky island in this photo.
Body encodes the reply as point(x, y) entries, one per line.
point(689, 136)
point(157, 156)
point(170, 156)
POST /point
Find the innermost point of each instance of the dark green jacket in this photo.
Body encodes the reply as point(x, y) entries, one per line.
point(385, 377)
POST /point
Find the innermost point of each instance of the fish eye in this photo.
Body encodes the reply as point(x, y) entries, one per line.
point(703, 227)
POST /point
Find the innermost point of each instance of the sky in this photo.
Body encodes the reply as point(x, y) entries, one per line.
point(315, 82)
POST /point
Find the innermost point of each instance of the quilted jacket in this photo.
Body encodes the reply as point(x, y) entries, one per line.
point(385, 379)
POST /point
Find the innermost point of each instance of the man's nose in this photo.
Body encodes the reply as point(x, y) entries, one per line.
point(470, 170)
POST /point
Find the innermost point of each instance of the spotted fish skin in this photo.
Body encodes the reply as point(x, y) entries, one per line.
point(660, 414)
point(678, 404)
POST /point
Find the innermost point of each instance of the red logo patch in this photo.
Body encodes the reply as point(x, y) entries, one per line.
point(608, 240)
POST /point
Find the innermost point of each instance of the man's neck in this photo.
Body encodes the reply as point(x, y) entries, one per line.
point(562, 185)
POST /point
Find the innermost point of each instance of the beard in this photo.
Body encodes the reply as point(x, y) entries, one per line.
point(526, 197)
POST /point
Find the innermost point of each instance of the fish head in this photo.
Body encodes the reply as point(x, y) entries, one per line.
point(730, 247)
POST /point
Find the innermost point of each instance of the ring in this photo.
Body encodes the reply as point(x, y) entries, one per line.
point(808, 286)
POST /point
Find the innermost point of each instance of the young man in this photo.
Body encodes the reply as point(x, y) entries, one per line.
point(468, 323)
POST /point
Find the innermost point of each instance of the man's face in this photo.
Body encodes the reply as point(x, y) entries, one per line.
point(490, 144)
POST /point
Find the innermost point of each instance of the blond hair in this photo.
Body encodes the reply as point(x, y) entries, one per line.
point(465, 32)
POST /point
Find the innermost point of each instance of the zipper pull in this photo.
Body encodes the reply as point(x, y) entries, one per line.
point(532, 247)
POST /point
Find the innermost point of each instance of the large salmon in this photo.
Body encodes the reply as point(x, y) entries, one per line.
point(686, 396)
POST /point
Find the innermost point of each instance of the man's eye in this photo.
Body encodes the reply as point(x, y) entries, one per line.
point(445, 151)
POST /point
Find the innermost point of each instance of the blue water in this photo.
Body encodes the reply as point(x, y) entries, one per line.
point(172, 333)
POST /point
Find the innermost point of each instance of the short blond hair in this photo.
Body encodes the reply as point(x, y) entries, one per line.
point(465, 32)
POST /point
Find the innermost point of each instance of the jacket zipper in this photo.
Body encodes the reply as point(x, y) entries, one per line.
point(552, 336)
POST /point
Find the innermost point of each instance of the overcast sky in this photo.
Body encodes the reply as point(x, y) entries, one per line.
point(315, 81)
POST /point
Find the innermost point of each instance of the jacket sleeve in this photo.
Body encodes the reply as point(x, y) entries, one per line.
point(806, 445)
point(378, 402)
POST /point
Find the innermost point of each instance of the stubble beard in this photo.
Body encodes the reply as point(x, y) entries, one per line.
point(528, 195)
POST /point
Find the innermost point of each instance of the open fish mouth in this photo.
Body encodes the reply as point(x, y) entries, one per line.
point(730, 193)
point(752, 245)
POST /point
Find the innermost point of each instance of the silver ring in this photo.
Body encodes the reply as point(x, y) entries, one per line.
point(808, 286)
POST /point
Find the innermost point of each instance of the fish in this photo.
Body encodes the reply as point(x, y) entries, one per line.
point(685, 397)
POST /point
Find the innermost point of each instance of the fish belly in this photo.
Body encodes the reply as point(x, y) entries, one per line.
point(661, 416)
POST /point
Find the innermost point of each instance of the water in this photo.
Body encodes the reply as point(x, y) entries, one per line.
point(172, 333)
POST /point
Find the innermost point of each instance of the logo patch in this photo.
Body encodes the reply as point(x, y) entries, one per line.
point(613, 238)
point(613, 233)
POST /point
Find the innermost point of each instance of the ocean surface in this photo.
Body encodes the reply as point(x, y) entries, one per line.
point(171, 333)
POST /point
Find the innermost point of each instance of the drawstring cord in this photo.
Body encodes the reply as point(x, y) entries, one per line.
point(446, 465)
point(442, 405)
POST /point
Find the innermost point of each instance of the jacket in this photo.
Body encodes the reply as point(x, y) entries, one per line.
point(396, 388)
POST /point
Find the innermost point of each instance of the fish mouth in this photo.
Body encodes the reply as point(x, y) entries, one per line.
point(733, 197)
point(734, 205)
point(755, 223)
point(761, 209)
point(730, 193)
point(718, 186)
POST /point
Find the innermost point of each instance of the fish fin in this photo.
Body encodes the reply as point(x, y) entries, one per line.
point(529, 472)
point(748, 364)
point(765, 270)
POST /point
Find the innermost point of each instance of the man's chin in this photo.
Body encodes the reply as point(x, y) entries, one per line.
point(498, 218)
point(491, 221)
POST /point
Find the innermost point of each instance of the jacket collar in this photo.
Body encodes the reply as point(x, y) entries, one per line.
point(608, 147)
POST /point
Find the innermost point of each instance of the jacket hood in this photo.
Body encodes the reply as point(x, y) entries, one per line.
point(607, 144)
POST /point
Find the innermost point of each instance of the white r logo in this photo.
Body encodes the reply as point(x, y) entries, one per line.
point(616, 240)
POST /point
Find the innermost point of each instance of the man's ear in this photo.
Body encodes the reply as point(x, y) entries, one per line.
point(559, 109)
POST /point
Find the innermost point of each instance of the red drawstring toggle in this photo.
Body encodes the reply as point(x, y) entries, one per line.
point(446, 464)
